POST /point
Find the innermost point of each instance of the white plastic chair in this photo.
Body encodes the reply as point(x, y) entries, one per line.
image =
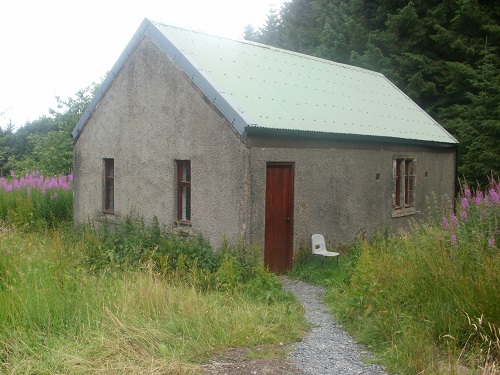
point(319, 248)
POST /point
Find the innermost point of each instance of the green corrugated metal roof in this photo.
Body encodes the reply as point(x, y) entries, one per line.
point(278, 89)
point(263, 87)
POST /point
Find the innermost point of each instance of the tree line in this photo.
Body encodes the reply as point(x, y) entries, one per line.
point(442, 54)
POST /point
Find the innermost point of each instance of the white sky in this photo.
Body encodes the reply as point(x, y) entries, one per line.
point(57, 47)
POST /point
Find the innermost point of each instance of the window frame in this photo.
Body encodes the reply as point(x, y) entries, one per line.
point(184, 185)
point(404, 173)
point(109, 186)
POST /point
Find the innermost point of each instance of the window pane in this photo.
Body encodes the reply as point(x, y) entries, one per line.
point(398, 183)
point(109, 186)
point(111, 168)
point(406, 182)
point(411, 190)
point(186, 172)
point(184, 190)
point(186, 203)
point(110, 204)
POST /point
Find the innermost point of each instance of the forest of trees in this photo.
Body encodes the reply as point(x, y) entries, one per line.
point(444, 54)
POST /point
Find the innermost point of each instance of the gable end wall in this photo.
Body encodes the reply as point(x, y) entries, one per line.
point(151, 116)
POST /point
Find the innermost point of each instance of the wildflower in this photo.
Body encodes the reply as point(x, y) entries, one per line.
point(12, 174)
point(465, 203)
point(445, 223)
point(454, 240)
point(467, 193)
point(495, 197)
point(463, 216)
point(491, 242)
point(454, 220)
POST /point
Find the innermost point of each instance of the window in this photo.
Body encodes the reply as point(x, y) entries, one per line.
point(184, 190)
point(404, 174)
point(109, 185)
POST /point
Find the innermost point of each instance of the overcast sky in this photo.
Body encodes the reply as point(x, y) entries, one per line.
point(56, 47)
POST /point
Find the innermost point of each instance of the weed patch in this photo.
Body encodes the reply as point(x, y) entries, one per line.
point(425, 300)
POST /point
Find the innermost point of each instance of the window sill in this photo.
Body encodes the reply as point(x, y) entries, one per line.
point(183, 223)
point(108, 212)
point(400, 212)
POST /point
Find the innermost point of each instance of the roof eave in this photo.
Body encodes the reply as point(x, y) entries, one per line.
point(269, 132)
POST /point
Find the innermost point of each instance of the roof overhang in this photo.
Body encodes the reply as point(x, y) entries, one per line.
point(253, 131)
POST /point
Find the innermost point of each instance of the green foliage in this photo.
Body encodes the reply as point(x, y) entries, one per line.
point(131, 244)
point(45, 144)
point(59, 316)
point(425, 300)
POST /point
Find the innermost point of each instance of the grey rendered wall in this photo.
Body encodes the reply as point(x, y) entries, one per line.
point(151, 116)
point(336, 188)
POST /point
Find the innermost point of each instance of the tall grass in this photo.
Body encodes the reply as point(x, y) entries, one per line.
point(33, 201)
point(64, 311)
point(426, 299)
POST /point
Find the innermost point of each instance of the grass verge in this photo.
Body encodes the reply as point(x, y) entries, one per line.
point(58, 315)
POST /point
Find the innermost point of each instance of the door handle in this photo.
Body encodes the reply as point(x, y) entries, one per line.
point(287, 219)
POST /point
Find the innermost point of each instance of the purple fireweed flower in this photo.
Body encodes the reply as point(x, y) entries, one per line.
point(12, 174)
point(495, 197)
point(70, 177)
point(445, 223)
point(465, 203)
point(454, 220)
point(478, 199)
point(463, 216)
point(15, 183)
point(491, 242)
point(467, 193)
point(454, 240)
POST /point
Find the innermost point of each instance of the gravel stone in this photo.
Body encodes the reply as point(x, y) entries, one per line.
point(327, 348)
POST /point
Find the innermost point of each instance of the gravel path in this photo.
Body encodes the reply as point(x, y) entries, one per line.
point(327, 348)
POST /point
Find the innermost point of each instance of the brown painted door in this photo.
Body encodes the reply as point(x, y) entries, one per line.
point(278, 245)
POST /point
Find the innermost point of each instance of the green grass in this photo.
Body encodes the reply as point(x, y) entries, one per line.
point(424, 300)
point(58, 314)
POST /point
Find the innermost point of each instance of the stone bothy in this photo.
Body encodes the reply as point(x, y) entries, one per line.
point(249, 142)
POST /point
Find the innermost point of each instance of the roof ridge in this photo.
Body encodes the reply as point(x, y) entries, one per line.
point(273, 48)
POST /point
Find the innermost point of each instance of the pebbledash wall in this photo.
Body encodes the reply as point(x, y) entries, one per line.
point(345, 189)
point(152, 115)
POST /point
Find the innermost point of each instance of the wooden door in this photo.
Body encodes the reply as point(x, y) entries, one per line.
point(278, 246)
